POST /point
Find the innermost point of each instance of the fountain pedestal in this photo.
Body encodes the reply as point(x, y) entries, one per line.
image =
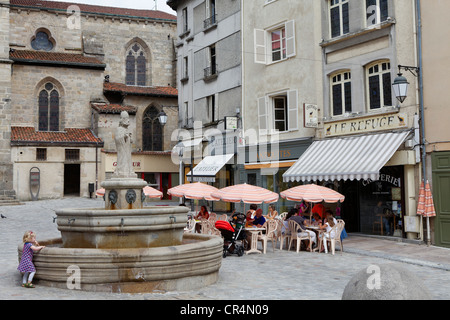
point(123, 193)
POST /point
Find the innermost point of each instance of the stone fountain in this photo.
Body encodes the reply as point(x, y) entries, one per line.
point(126, 247)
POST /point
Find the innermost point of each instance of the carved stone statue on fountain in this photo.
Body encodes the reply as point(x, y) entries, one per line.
point(123, 141)
point(124, 189)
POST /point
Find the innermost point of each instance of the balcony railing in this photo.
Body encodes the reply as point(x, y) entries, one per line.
point(209, 22)
point(210, 71)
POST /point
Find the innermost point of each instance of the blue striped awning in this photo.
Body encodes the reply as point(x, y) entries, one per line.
point(356, 157)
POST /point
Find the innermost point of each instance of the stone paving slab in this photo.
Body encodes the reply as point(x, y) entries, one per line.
point(279, 275)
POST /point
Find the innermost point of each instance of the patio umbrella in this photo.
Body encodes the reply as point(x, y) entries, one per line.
point(246, 193)
point(152, 192)
point(421, 200)
point(196, 191)
point(426, 207)
point(312, 193)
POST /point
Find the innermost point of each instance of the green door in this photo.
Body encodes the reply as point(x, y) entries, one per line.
point(441, 192)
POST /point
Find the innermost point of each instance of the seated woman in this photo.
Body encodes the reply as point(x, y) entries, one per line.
point(272, 212)
point(329, 224)
point(202, 214)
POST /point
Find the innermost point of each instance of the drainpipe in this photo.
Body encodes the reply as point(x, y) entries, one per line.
point(421, 108)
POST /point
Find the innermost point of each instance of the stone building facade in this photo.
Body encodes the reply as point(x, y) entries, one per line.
point(67, 71)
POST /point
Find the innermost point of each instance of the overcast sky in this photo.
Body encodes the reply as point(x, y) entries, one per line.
point(131, 4)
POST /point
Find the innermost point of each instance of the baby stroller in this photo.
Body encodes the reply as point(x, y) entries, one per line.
point(233, 233)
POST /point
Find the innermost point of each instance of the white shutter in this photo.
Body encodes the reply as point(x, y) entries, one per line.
point(260, 46)
point(292, 110)
point(290, 38)
point(263, 115)
point(216, 107)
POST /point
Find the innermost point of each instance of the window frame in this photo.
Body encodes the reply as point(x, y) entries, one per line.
point(47, 108)
point(340, 78)
point(266, 117)
point(378, 13)
point(379, 72)
point(263, 37)
point(344, 28)
point(135, 63)
point(150, 116)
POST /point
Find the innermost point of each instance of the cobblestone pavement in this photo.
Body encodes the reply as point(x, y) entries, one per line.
point(279, 275)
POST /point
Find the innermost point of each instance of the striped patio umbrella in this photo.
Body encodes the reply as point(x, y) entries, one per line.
point(245, 193)
point(196, 191)
point(312, 193)
point(429, 205)
point(421, 200)
point(152, 192)
point(425, 207)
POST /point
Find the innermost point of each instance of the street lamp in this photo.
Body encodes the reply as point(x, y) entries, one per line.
point(400, 87)
point(400, 84)
point(162, 118)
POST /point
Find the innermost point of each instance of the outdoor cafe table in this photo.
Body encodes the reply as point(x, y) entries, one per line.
point(254, 242)
point(317, 230)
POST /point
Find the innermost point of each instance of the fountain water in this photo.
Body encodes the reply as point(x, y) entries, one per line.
point(126, 247)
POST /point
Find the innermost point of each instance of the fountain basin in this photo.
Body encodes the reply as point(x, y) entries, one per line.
point(189, 266)
point(125, 228)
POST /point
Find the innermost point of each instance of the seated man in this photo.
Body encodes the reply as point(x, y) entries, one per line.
point(259, 220)
point(302, 222)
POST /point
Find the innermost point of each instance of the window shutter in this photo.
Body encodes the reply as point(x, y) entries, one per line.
point(290, 38)
point(260, 46)
point(216, 107)
point(292, 110)
point(262, 115)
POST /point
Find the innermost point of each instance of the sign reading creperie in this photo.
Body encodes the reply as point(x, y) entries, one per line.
point(366, 124)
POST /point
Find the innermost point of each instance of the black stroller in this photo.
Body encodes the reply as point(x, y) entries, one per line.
point(233, 233)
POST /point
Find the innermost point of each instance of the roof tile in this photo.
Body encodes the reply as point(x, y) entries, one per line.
point(168, 92)
point(26, 135)
point(85, 8)
point(54, 57)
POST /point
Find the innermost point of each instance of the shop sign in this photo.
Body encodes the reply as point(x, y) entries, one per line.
point(366, 124)
point(310, 116)
point(136, 165)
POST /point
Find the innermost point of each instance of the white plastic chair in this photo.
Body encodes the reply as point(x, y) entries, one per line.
point(270, 235)
point(190, 226)
point(298, 235)
point(334, 235)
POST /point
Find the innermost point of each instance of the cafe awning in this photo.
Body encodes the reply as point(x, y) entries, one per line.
point(207, 169)
point(356, 157)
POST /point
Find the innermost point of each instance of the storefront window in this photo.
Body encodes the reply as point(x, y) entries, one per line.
point(375, 207)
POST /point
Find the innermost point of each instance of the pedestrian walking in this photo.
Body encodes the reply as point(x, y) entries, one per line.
point(26, 266)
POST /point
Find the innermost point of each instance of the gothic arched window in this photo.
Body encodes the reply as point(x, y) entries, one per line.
point(152, 133)
point(136, 66)
point(48, 108)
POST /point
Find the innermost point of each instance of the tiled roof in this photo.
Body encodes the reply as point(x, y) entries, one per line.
point(112, 108)
point(167, 92)
point(45, 57)
point(71, 136)
point(85, 8)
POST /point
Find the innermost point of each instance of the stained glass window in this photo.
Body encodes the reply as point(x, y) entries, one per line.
point(136, 66)
point(48, 105)
point(41, 42)
point(152, 137)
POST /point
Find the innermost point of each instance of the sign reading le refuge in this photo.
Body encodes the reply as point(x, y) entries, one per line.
point(366, 124)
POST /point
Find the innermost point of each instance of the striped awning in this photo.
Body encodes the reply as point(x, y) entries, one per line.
point(358, 157)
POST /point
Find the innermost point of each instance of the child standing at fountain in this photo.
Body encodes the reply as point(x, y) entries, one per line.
point(26, 265)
